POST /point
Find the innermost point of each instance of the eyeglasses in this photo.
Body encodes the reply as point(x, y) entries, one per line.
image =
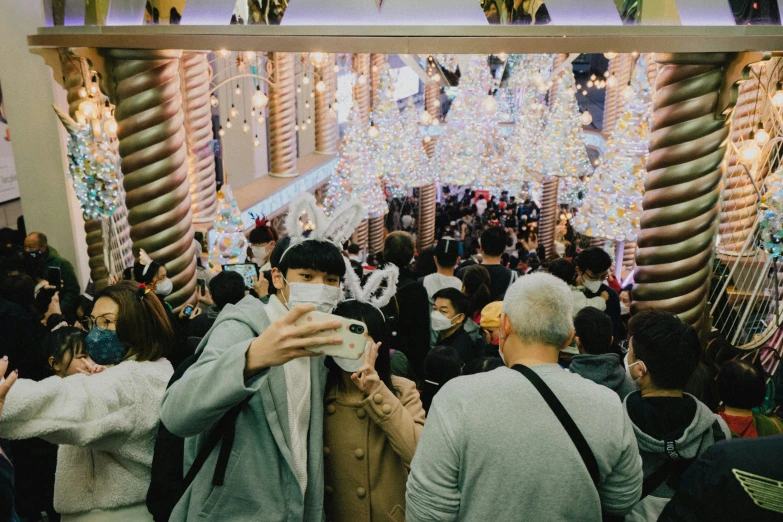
point(102, 322)
point(591, 277)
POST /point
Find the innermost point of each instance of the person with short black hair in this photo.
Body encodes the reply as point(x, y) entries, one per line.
point(446, 255)
point(596, 360)
point(441, 365)
point(449, 314)
point(592, 266)
point(227, 287)
point(408, 313)
point(492, 245)
point(565, 270)
point(672, 427)
point(262, 239)
point(742, 387)
point(355, 253)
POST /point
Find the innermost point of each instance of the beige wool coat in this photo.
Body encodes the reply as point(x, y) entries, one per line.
point(369, 443)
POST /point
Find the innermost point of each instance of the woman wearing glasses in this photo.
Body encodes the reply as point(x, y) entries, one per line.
point(105, 423)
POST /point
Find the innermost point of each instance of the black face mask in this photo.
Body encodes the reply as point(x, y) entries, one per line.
point(34, 263)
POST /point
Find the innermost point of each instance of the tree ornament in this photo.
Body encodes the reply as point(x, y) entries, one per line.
point(230, 246)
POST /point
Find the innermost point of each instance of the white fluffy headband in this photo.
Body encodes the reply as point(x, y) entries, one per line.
point(366, 294)
point(335, 229)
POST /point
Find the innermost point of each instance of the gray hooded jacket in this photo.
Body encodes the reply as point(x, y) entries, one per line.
point(260, 483)
point(606, 370)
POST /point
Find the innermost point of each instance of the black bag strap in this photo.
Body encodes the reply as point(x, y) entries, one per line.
point(565, 419)
point(670, 468)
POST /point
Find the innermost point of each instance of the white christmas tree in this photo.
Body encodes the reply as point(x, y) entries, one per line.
point(612, 208)
point(420, 168)
point(230, 245)
point(356, 173)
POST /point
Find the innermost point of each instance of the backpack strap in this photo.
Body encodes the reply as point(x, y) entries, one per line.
point(669, 469)
point(565, 419)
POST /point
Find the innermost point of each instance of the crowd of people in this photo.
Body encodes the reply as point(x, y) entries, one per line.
point(493, 385)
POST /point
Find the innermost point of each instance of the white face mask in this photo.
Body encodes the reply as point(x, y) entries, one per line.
point(629, 366)
point(260, 254)
point(440, 322)
point(164, 287)
point(349, 365)
point(624, 309)
point(324, 297)
point(593, 286)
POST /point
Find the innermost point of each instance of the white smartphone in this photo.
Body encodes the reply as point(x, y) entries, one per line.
point(351, 331)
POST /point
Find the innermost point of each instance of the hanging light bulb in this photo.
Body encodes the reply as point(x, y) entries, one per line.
point(777, 99)
point(299, 90)
point(762, 136)
point(246, 127)
point(319, 59)
point(83, 92)
point(306, 80)
point(627, 92)
point(425, 118)
point(253, 113)
point(249, 56)
point(634, 54)
point(213, 101)
point(221, 132)
point(256, 141)
point(304, 127)
point(750, 151)
point(586, 118)
point(94, 89)
point(373, 132)
point(593, 77)
point(88, 108)
point(320, 86)
point(489, 105)
point(260, 119)
point(111, 127)
point(610, 55)
point(260, 99)
point(502, 56)
point(307, 105)
point(309, 121)
point(229, 124)
point(578, 86)
point(584, 93)
point(233, 112)
point(237, 91)
point(589, 83)
point(312, 94)
point(224, 53)
point(361, 80)
point(296, 128)
point(107, 111)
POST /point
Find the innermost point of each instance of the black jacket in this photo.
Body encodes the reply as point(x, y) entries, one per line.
point(466, 348)
point(725, 481)
point(408, 314)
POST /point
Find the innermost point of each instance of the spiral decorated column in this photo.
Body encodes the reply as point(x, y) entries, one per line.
point(629, 255)
point(195, 74)
point(683, 186)
point(377, 61)
point(153, 148)
point(282, 116)
point(327, 133)
point(428, 193)
point(362, 95)
point(620, 67)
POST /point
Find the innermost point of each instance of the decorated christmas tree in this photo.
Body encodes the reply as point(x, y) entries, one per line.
point(771, 222)
point(230, 245)
point(356, 173)
point(612, 207)
point(421, 172)
point(561, 150)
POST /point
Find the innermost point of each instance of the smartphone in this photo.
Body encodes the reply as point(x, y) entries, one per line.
point(54, 277)
point(247, 270)
point(351, 331)
point(202, 283)
point(188, 311)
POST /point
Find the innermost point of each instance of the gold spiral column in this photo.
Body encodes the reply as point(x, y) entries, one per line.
point(621, 67)
point(360, 235)
point(683, 187)
point(153, 148)
point(428, 193)
point(362, 88)
point(376, 234)
point(195, 75)
point(377, 61)
point(282, 116)
point(376, 225)
point(629, 255)
point(327, 133)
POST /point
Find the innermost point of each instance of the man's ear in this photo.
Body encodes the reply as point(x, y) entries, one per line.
point(505, 326)
point(570, 338)
point(277, 279)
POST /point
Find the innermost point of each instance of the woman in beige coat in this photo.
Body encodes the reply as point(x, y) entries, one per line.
point(372, 425)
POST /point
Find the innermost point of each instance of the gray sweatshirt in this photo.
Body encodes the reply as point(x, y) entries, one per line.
point(606, 369)
point(492, 450)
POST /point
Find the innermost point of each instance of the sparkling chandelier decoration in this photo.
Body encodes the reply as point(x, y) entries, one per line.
point(613, 203)
point(421, 169)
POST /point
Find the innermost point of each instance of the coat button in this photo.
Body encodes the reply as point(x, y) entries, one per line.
point(326, 450)
point(331, 409)
point(386, 409)
point(328, 490)
point(361, 414)
point(359, 453)
point(360, 492)
point(378, 398)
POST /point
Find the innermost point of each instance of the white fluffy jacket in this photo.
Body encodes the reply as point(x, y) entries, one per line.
point(105, 425)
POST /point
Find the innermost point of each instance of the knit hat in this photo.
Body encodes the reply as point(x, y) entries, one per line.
point(490, 315)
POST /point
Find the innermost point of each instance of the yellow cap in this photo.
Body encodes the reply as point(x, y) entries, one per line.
point(490, 315)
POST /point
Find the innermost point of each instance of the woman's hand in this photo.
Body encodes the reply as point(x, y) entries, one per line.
point(5, 384)
point(366, 378)
point(261, 286)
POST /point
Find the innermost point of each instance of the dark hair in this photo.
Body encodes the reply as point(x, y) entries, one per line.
point(441, 364)
point(20, 289)
point(376, 327)
point(459, 301)
point(10, 236)
point(262, 234)
point(447, 252)
point(562, 269)
point(354, 249)
point(425, 263)
point(741, 385)
point(477, 282)
point(594, 329)
point(398, 249)
point(311, 254)
point(140, 276)
point(594, 259)
point(142, 323)
point(493, 241)
point(668, 347)
point(227, 287)
point(358, 269)
point(65, 340)
point(482, 365)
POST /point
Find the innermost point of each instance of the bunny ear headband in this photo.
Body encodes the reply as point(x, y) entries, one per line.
point(145, 260)
point(335, 229)
point(366, 294)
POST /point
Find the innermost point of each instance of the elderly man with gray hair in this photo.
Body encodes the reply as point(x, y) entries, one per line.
point(529, 441)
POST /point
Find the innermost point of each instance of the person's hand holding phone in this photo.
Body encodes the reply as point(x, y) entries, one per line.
point(261, 286)
point(54, 307)
point(366, 378)
point(284, 341)
point(204, 297)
